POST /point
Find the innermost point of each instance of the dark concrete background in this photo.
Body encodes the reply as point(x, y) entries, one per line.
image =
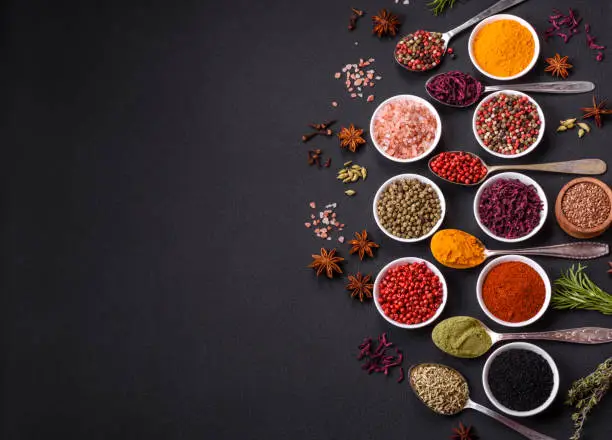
point(153, 196)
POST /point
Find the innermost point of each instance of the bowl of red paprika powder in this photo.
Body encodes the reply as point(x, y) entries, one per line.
point(513, 291)
point(410, 292)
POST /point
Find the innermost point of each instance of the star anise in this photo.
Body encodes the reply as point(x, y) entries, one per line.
point(463, 433)
point(558, 66)
point(360, 286)
point(362, 245)
point(351, 138)
point(385, 23)
point(596, 111)
point(327, 261)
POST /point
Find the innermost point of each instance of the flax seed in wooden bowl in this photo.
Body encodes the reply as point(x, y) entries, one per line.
point(584, 207)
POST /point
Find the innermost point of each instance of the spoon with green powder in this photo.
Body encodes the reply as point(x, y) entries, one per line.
point(467, 337)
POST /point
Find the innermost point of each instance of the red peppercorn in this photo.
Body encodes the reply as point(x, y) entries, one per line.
point(458, 167)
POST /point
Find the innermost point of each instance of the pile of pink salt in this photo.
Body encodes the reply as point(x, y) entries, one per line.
point(404, 128)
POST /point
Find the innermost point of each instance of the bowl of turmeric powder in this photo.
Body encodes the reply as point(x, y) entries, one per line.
point(504, 47)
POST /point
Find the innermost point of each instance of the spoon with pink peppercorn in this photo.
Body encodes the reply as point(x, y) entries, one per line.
point(423, 50)
point(468, 169)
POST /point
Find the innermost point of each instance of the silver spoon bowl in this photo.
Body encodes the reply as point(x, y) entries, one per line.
point(589, 167)
point(447, 36)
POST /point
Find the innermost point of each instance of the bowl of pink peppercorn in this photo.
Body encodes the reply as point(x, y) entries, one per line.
point(410, 292)
point(405, 128)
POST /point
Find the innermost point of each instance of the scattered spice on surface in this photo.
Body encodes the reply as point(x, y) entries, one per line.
point(314, 158)
point(362, 245)
point(355, 15)
point(510, 208)
point(558, 66)
point(350, 192)
point(610, 264)
point(508, 124)
point(575, 290)
point(420, 51)
point(513, 291)
point(385, 23)
point(377, 358)
point(459, 167)
point(438, 6)
point(586, 205)
point(405, 128)
point(596, 112)
point(586, 393)
point(463, 432)
point(408, 208)
point(457, 249)
point(352, 173)
point(455, 88)
point(521, 380)
point(462, 336)
point(324, 223)
point(566, 26)
point(410, 293)
point(503, 48)
point(326, 262)
point(319, 129)
point(360, 286)
point(441, 388)
point(357, 80)
point(351, 138)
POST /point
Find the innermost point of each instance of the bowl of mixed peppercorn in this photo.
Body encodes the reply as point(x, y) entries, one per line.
point(508, 124)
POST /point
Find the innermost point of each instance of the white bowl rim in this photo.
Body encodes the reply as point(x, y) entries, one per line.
point(429, 106)
point(405, 260)
point(532, 146)
point(497, 17)
point(523, 346)
point(539, 269)
point(526, 180)
point(421, 179)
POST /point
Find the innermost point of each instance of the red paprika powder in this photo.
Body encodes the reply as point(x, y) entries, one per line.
point(513, 291)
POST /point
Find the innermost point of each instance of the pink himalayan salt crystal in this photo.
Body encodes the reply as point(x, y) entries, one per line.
point(405, 128)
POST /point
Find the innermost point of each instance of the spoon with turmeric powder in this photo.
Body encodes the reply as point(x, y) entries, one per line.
point(460, 250)
point(469, 169)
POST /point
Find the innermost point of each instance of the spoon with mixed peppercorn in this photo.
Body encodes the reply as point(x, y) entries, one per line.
point(458, 89)
point(423, 50)
point(468, 169)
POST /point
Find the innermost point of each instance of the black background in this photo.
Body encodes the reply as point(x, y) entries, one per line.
point(153, 195)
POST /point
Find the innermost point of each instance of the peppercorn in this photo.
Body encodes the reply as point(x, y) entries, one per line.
point(459, 167)
point(421, 50)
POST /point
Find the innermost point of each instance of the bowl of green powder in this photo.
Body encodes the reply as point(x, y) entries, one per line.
point(462, 336)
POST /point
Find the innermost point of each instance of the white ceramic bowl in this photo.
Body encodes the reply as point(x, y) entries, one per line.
point(430, 107)
point(527, 181)
point(534, 34)
point(532, 146)
point(524, 346)
point(421, 179)
point(401, 261)
point(535, 266)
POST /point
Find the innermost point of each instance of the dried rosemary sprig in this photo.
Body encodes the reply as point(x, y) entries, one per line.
point(586, 393)
point(438, 6)
point(575, 290)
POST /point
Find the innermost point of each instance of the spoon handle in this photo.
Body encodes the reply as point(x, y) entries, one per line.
point(547, 87)
point(583, 250)
point(521, 429)
point(492, 10)
point(583, 335)
point(582, 166)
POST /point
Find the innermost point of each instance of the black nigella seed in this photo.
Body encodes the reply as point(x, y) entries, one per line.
point(521, 380)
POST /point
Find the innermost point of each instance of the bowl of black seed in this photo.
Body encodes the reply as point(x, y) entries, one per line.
point(409, 208)
point(520, 379)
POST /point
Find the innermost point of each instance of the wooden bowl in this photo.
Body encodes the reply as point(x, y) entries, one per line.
point(569, 227)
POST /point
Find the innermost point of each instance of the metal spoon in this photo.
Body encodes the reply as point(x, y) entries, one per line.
point(566, 87)
point(589, 167)
point(521, 429)
point(492, 10)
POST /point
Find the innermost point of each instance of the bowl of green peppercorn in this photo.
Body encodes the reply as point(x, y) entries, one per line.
point(409, 208)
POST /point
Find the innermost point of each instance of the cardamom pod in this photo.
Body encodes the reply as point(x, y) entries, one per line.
point(561, 128)
point(346, 164)
point(364, 173)
point(355, 177)
point(350, 192)
point(584, 126)
point(356, 167)
point(572, 125)
point(581, 132)
point(347, 180)
point(568, 121)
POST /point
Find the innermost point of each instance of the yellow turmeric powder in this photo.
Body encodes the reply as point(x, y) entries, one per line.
point(457, 249)
point(503, 48)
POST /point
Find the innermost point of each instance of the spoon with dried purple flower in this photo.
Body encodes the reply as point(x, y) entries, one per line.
point(445, 391)
point(423, 50)
point(458, 89)
point(468, 169)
